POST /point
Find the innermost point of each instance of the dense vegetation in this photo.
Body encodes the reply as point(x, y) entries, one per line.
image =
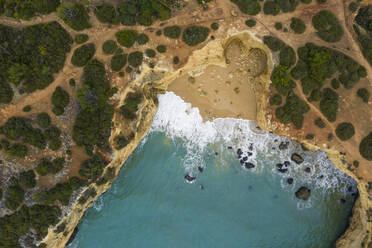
point(297, 25)
point(195, 35)
point(130, 106)
point(365, 147)
point(173, 32)
point(121, 141)
point(364, 94)
point(250, 23)
point(327, 26)
point(106, 13)
point(60, 99)
point(319, 122)
point(250, 7)
point(30, 56)
point(364, 31)
point(345, 131)
point(150, 53)
point(26, 9)
point(135, 58)
point(43, 120)
point(127, 38)
point(292, 111)
point(74, 15)
point(275, 99)
point(329, 104)
point(109, 47)
point(161, 49)
point(47, 166)
point(118, 61)
point(27, 179)
point(81, 38)
point(142, 39)
point(83, 54)
point(92, 168)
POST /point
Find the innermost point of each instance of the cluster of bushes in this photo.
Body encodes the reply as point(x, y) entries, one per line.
point(364, 94)
point(161, 49)
point(89, 193)
point(27, 179)
point(142, 39)
point(74, 15)
point(297, 25)
point(250, 23)
point(118, 61)
point(60, 192)
point(30, 56)
point(135, 58)
point(275, 99)
point(92, 168)
point(83, 54)
point(327, 26)
point(109, 47)
point(250, 7)
point(329, 104)
point(106, 13)
point(48, 166)
point(292, 111)
point(365, 147)
point(130, 106)
point(60, 99)
point(364, 20)
point(43, 120)
point(92, 126)
point(345, 131)
point(127, 38)
point(14, 196)
point(319, 122)
point(81, 38)
point(173, 32)
point(27, 9)
point(274, 7)
point(195, 35)
point(144, 11)
point(121, 141)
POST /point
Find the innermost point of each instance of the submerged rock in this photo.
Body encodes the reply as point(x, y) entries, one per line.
point(239, 152)
point(297, 158)
point(290, 180)
point(229, 147)
point(190, 178)
point(200, 169)
point(281, 168)
point(245, 159)
point(250, 154)
point(249, 165)
point(287, 163)
point(250, 147)
point(307, 169)
point(303, 193)
point(201, 186)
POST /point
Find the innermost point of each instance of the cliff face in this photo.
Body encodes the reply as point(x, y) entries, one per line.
point(152, 82)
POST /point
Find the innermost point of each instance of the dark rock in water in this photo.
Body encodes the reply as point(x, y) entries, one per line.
point(201, 186)
point(190, 178)
point(250, 154)
point(307, 169)
point(240, 156)
point(275, 140)
point(303, 193)
point(350, 189)
point(283, 145)
point(72, 237)
point(304, 148)
point(321, 176)
point(241, 162)
point(229, 147)
point(216, 153)
point(239, 151)
point(200, 169)
point(245, 159)
point(275, 196)
point(250, 147)
point(287, 163)
point(342, 200)
point(250, 187)
point(290, 180)
point(354, 194)
point(297, 158)
point(281, 168)
point(249, 165)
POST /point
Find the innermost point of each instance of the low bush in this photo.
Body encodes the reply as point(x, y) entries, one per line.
point(6, 92)
point(172, 32)
point(135, 58)
point(306, 1)
point(127, 38)
point(271, 8)
point(176, 60)
point(214, 26)
point(60, 99)
point(109, 47)
point(161, 49)
point(48, 166)
point(55, 144)
point(292, 111)
point(250, 23)
point(16, 150)
point(278, 26)
point(297, 25)
point(335, 84)
point(327, 26)
point(365, 147)
point(275, 99)
point(273, 43)
point(364, 94)
point(72, 82)
point(353, 6)
point(329, 104)
point(287, 5)
point(92, 168)
point(27, 108)
point(106, 13)
point(83, 54)
point(52, 133)
point(43, 120)
point(195, 35)
point(345, 131)
point(250, 7)
point(281, 79)
point(27, 179)
point(27, 9)
point(287, 56)
point(121, 141)
point(74, 15)
point(118, 62)
point(315, 95)
point(142, 39)
point(319, 122)
point(130, 107)
point(89, 193)
point(81, 38)
point(14, 197)
point(150, 53)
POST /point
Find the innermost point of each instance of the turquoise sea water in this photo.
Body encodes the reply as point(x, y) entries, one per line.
point(152, 205)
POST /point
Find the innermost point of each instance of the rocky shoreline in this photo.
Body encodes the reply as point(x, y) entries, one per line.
point(152, 82)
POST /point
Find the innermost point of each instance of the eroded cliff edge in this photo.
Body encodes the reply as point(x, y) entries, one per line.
point(154, 81)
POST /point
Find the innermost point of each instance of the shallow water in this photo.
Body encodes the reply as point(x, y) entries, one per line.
point(151, 204)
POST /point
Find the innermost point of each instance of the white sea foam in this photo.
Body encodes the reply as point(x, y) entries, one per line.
point(179, 120)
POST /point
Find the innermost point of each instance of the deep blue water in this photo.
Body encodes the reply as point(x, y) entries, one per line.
point(151, 204)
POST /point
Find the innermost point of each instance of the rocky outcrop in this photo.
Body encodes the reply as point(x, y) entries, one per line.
point(303, 193)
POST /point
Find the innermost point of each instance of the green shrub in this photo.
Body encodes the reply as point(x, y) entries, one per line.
point(16, 151)
point(27, 179)
point(353, 6)
point(195, 35)
point(126, 38)
point(364, 94)
point(142, 39)
point(52, 133)
point(109, 47)
point(335, 84)
point(306, 1)
point(176, 60)
point(297, 25)
point(15, 127)
point(288, 5)
point(250, 23)
point(250, 7)
point(27, 9)
point(14, 197)
point(150, 53)
point(365, 147)
point(89, 193)
point(121, 142)
point(327, 26)
point(106, 13)
point(364, 17)
point(271, 8)
point(315, 95)
point(60, 99)
point(74, 15)
point(6, 93)
point(128, 69)
point(26, 108)
point(329, 104)
point(135, 58)
point(172, 32)
point(275, 99)
point(345, 131)
point(278, 26)
point(158, 32)
point(309, 136)
point(300, 70)
point(161, 49)
point(130, 107)
point(292, 111)
point(81, 38)
point(308, 85)
point(92, 168)
point(43, 120)
point(72, 82)
point(273, 43)
point(55, 144)
point(319, 122)
point(287, 56)
point(118, 62)
point(83, 54)
point(214, 26)
point(35, 137)
point(46, 166)
point(281, 79)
